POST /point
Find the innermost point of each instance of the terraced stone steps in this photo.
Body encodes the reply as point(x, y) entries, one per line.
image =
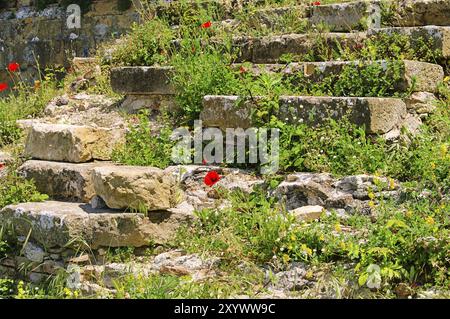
point(369, 14)
point(415, 76)
point(71, 143)
point(378, 115)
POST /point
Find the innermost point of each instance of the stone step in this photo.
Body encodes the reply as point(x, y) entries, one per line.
point(378, 115)
point(415, 76)
point(79, 226)
point(142, 80)
point(270, 49)
point(136, 187)
point(120, 187)
point(71, 143)
point(62, 181)
point(357, 15)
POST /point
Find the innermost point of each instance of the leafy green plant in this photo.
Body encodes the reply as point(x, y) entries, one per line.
point(143, 146)
point(200, 74)
point(15, 189)
point(120, 254)
point(147, 44)
point(24, 102)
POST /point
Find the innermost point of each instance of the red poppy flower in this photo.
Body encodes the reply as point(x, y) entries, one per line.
point(206, 25)
point(242, 69)
point(13, 67)
point(315, 3)
point(204, 162)
point(211, 178)
point(2, 166)
point(3, 86)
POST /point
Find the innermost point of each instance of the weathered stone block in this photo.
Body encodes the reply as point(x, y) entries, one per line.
point(71, 143)
point(349, 16)
point(421, 103)
point(73, 225)
point(378, 115)
point(270, 49)
point(410, 13)
point(142, 80)
point(308, 213)
point(368, 14)
point(63, 181)
point(135, 187)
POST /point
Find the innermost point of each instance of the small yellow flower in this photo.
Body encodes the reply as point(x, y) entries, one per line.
point(371, 204)
point(286, 258)
point(433, 165)
point(371, 195)
point(337, 227)
point(322, 237)
point(309, 274)
point(343, 245)
point(391, 183)
point(293, 237)
point(447, 79)
point(306, 250)
point(444, 150)
point(429, 220)
point(409, 214)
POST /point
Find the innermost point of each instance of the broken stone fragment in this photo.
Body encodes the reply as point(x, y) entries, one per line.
point(421, 102)
point(351, 193)
point(308, 213)
point(71, 143)
point(135, 187)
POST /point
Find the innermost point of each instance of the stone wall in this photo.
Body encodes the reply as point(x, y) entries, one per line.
point(27, 35)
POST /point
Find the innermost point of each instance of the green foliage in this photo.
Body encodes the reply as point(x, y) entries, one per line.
point(337, 147)
point(147, 44)
point(120, 254)
point(158, 286)
point(200, 74)
point(364, 79)
point(6, 288)
point(15, 189)
point(144, 146)
point(24, 103)
point(380, 46)
point(409, 243)
point(250, 229)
